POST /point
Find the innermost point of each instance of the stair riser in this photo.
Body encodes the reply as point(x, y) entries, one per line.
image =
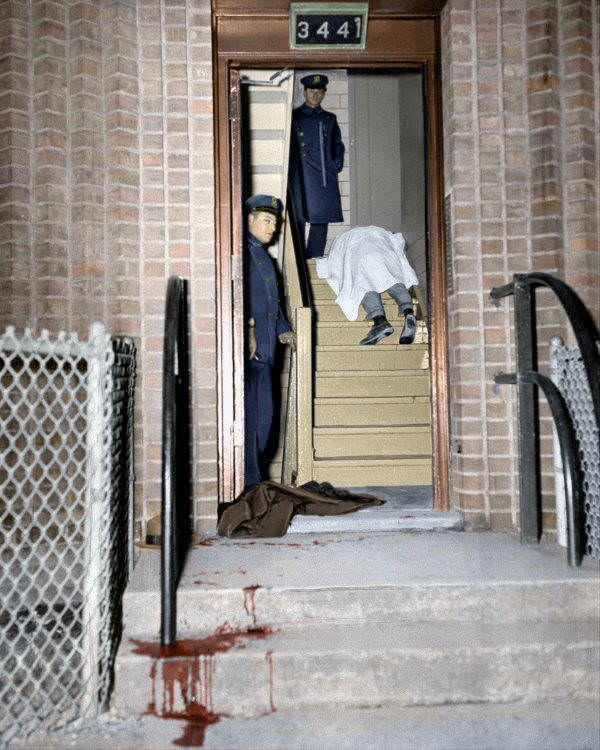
point(333, 446)
point(372, 358)
point(243, 682)
point(372, 414)
point(353, 475)
point(352, 334)
point(330, 311)
point(372, 385)
point(205, 609)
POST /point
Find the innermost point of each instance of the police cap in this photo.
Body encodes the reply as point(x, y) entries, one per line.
point(268, 203)
point(315, 81)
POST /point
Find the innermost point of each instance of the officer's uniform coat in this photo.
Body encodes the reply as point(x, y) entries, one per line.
point(263, 304)
point(316, 157)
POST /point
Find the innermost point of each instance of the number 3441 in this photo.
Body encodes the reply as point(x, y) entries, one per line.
point(330, 30)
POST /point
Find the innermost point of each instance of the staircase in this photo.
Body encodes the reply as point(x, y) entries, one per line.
point(359, 621)
point(371, 404)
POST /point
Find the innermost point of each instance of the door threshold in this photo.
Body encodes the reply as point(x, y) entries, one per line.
point(406, 508)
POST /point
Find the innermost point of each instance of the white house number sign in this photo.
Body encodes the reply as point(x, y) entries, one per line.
point(328, 25)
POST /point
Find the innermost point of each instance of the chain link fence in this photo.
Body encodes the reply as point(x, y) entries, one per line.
point(66, 484)
point(569, 375)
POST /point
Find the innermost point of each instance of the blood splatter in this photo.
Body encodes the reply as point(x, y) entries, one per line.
point(249, 592)
point(269, 659)
point(200, 582)
point(208, 542)
point(186, 671)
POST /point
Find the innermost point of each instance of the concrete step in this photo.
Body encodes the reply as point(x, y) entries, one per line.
point(360, 620)
point(380, 411)
point(391, 470)
point(344, 332)
point(451, 577)
point(526, 725)
point(261, 668)
point(341, 442)
point(355, 383)
point(380, 357)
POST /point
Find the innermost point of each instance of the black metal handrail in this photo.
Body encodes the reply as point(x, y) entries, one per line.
point(176, 495)
point(528, 378)
point(299, 253)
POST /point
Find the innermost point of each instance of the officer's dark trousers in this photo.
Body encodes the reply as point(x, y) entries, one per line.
point(258, 402)
point(317, 237)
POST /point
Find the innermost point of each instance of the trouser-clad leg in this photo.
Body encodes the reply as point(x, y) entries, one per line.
point(381, 328)
point(373, 305)
point(317, 237)
point(401, 295)
point(258, 418)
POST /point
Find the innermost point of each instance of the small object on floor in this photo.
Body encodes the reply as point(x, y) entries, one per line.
point(381, 328)
point(410, 329)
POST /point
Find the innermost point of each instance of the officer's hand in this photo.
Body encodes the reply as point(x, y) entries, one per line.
point(288, 338)
point(251, 340)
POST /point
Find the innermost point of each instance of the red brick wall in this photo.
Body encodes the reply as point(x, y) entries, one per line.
point(521, 170)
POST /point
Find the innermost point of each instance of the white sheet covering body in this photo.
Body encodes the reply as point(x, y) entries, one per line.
point(365, 259)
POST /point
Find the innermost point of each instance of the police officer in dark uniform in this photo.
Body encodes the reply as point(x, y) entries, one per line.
point(316, 157)
point(265, 325)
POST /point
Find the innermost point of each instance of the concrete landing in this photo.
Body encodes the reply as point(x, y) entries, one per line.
point(406, 508)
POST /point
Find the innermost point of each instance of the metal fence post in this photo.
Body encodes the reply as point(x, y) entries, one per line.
point(526, 346)
point(559, 478)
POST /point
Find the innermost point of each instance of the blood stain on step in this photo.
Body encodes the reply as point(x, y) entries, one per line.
point(185, 670)
point(249, 592)
point(269, 660)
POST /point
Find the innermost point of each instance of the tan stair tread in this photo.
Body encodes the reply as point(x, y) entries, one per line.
point(372, 441)
point(330, 312)
point(371, 400)
point(373, 429)
point(362, 357)
point(415, 372)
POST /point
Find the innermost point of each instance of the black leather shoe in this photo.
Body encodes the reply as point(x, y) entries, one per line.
point(410, 329)
point(381, 329)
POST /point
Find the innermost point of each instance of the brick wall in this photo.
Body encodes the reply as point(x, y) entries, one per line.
point(107, 190)
point(521, 172)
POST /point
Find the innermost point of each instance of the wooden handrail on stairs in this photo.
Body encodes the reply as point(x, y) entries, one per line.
point(298, 437)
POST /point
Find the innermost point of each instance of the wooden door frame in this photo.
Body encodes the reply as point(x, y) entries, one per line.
point(401, 34)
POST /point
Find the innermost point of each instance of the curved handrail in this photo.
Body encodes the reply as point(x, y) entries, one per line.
point(586, 331)
point(527, 377)
point(575, 501)
point(175, 510)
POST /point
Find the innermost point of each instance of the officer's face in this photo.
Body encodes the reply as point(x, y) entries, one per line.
point(262, 225)
point(314, 97)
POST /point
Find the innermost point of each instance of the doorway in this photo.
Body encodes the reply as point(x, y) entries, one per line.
point(400, 44)
point(370, 407)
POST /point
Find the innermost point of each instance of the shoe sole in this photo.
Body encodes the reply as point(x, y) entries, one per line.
point(383, 335)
